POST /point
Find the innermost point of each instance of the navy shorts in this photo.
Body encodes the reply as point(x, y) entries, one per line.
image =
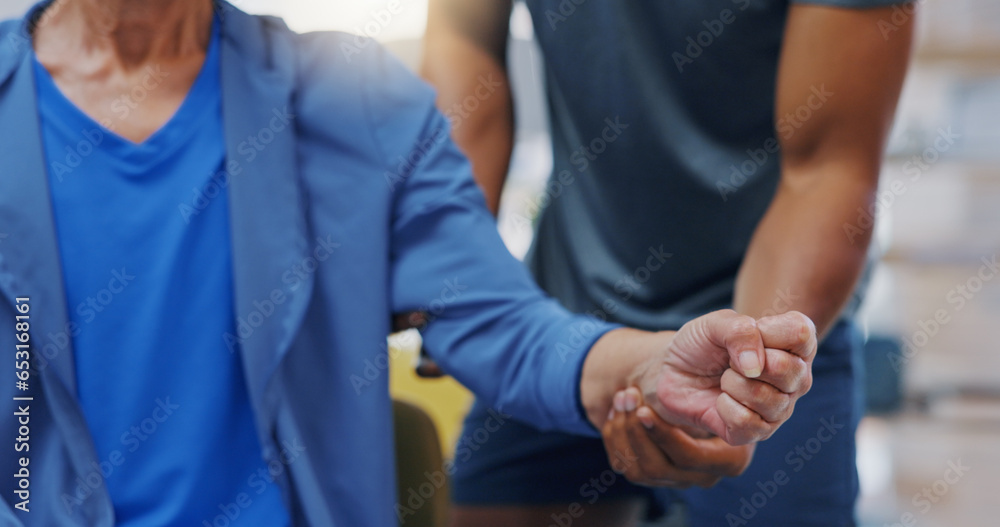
point(805, 475)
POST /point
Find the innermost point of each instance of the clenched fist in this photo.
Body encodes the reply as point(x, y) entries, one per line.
point(724, 374)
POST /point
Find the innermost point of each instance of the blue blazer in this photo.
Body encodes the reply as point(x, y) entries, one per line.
point(359, 207)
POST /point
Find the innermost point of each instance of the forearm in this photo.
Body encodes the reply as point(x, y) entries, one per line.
point(801, 257)
point(808, 251)
point(614, 363)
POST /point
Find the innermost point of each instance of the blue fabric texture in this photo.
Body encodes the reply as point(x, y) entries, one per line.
point(150, 291)
point(666, 154)
point(803, 476)
point(347, 203)
point(663, 125)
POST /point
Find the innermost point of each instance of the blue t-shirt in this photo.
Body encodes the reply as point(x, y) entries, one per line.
point(149, 287)
point(665, 150)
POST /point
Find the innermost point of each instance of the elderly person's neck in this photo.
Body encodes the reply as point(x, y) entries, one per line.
point(128, 64)
point(134, 33)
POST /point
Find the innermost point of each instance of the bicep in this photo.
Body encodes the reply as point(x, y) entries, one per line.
point(839, 77)
point(481, 23)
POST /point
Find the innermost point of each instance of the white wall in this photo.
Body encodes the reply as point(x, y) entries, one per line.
point(14, 8)
point(374, 18)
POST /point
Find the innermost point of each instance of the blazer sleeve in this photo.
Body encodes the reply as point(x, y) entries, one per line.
point(490, 326)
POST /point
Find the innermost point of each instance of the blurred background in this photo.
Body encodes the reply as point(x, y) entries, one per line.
point(933, 324)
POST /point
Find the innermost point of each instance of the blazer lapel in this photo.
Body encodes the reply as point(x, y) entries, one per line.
point(29, 252)
point(30, 264)
point(268, 222)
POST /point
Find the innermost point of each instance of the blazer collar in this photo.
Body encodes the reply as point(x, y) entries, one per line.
point(30, 265)
point(269, 232)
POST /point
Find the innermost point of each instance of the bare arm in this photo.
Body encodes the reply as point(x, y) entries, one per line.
point(837, 65)
point(465, 59)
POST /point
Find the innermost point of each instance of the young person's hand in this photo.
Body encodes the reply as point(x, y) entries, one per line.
point(650, 452)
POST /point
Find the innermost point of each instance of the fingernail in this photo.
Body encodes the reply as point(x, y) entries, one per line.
point(645, 417)
point(750, 364)
point(619, 402)
point(631, 401)
point(611, 414)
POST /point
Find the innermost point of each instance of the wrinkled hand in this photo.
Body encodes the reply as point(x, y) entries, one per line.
point(650, 452)
point(732, 376)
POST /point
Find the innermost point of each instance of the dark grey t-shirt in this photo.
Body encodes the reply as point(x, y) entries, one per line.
point(665, 150)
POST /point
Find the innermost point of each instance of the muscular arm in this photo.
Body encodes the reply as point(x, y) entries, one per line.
point(801, 257)
point(465, 49)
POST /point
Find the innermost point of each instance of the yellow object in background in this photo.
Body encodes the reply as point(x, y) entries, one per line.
point(444, 399)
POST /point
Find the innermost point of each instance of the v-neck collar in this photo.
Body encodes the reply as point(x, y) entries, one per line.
point(202, 97)
point(269, 221)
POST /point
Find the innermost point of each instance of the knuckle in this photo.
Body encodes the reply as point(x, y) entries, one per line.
point(607, 431)
point(742, 326)
point(807, 385)
point(782, 408)
point(806, 325)
point(764, 430)
point(730, 380)
point(741, 422)
point(761, 392)
point(740, 437)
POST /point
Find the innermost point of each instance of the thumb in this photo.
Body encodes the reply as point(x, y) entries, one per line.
point(740, 337)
